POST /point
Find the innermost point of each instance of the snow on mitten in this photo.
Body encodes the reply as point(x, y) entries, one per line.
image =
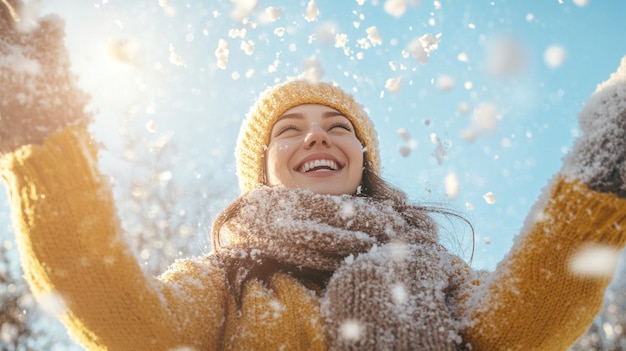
point(599, 155)
point(38, 93)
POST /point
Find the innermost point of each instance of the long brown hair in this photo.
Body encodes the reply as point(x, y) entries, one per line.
point(241, 270)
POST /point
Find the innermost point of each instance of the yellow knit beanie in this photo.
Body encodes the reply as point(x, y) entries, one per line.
point(254, 134)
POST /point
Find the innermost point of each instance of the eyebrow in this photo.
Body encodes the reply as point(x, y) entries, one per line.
point(297, 115)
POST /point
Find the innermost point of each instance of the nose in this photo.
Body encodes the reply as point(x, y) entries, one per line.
point(316, 136)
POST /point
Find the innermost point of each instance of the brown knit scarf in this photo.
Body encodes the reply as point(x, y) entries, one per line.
point(391, 288)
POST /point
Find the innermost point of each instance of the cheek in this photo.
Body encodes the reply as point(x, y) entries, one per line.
point(277, 158)
point(356, 151)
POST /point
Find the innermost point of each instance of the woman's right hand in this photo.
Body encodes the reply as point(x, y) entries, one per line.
point(38, 94)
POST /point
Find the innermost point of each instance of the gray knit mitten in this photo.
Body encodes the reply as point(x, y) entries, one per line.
point(599, 155)
point(38, 93)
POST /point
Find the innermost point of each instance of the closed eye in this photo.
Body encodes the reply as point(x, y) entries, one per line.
point(286, 128)
point(343, 125)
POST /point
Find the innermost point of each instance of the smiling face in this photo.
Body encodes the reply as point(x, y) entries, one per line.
point(314, 147)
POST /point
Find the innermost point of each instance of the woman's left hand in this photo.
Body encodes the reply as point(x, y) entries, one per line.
point(599, 155)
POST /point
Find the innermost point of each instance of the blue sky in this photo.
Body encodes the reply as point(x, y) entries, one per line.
point(167, 79)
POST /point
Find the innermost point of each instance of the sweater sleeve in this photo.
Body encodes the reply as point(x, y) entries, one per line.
point(74, 256)
point(535, 299)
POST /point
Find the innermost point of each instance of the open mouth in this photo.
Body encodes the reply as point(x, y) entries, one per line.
point(319, 166)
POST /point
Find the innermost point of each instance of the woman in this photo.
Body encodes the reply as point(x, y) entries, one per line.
point(318, 252)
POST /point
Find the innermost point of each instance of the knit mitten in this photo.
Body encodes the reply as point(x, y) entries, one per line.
point(392, 298)
point(38, 93)
point(598, 157)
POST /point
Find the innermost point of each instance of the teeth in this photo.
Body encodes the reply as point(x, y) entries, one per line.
point(319, 163)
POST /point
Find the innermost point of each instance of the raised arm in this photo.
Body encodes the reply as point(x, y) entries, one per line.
point(538, 299)
point(69, 237)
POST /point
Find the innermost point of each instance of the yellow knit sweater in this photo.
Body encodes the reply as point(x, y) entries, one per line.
point(73, 253)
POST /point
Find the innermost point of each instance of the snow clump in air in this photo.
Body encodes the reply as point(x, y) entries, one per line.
point(421, 47)
point(485, 118)
point(326, 32)
point(399, 294)
point(373, 36)
point(175, 59)
point(595, 261)
point(451, 182)
point(341, 42)
point(397, 8)
point(237, 33)
point(351, 330)
point(462, 57)
point(53, 304)
point(222, 54)
point(554, 56)
point(405, 150)
point(123, 50)
point(404, 134)
point(505, 56)
point(445, 82)
point(247, 47)
point(440, 150)
point(489, 198)
point(272, 14)
point(279, 32)
point(313, 71)
point(311, 12)
point(394, 85)
point(243, 9)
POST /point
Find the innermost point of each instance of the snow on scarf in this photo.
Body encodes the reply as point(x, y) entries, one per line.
point(391, 288)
